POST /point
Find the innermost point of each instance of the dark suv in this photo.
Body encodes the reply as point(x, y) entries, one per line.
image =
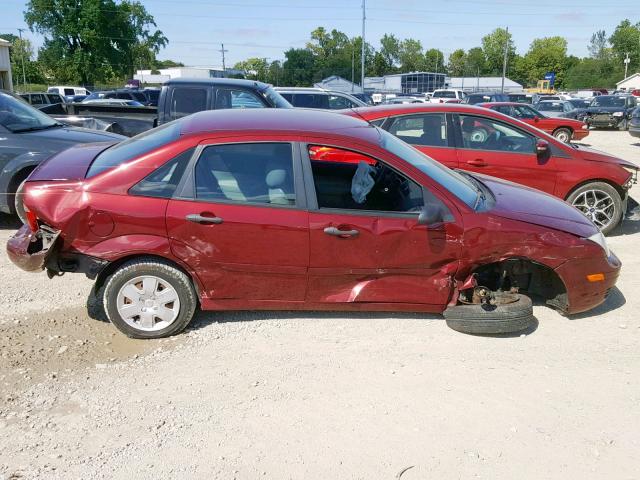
point(484, 97)
point(613, 111)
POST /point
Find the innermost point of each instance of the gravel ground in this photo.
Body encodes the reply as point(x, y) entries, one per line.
point(319, 395)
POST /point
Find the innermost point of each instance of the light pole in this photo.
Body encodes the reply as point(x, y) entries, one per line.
point(364, 16)
point(626, 64)
point(24, 75)
point(504, 60)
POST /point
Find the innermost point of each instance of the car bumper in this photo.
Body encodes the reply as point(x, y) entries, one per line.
point(582, 294)
point(31, 251)
point(579, 134)
point(603, 122)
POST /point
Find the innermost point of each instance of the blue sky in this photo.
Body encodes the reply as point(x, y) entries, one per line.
point(250, 28)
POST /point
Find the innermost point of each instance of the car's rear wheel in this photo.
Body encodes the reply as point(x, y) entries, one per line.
point(600, 203)
point(149, 298)
point(563, 134)
point(510, 312)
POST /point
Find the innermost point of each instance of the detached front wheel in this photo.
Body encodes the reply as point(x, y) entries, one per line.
point(149, 298)
point(600, 203)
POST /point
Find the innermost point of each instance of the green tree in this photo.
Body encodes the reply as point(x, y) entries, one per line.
point(411, 56)
point(547, 54)
point(254, 68)
point(457, 61)
point(434, 61)
point(92, 41)
point(626, 40)
point(299, 67)
point(21, 52)
point(493, 47)
point(599, 45)
point(390, 52)
point(476, 62)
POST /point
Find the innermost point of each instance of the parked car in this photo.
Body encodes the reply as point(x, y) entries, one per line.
point(556, 108)
point(520, 98)
point(113, 102)
point(634, 123)
point(51, 103)
point(445, 95)
point(134, 95)
point(611, 111)
point(365, 97)
point(485, 141)
point(152, 94)
point(564, 129)
point(482, 97)
point(319, 98)
point(539, 97)
point(587, 94)
point(401, 100)
point(27, 137)
point(304, 210)
point(68, 91)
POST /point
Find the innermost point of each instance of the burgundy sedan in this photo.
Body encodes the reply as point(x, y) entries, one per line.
point(485, 141)
point(303, 210)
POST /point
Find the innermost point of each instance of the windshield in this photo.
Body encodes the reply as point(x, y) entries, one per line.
point(135, 147)
point(18, 116)
point(607, 101)
point(275, 98)
point(550, 106)
point(579, 103)
point(455, 183)
point(444, 94)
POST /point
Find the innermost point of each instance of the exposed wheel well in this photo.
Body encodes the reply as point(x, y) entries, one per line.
point(113, 266)
point(526, 276)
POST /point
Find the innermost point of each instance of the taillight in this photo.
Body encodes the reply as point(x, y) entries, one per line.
point(32, 220)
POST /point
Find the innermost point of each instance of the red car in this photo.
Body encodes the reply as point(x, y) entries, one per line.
point(564, 129)
point(485, 141)
point(254, 210)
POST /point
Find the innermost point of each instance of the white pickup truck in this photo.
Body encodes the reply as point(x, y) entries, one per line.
point(446, 96)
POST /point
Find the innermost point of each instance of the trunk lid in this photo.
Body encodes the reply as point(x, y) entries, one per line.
point(70, 164)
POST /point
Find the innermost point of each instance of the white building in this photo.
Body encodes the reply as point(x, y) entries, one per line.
point(338, 84)
point(145, 76)
point(484, 84)
point(408, 83)
point(5, 66)
point(630, 83)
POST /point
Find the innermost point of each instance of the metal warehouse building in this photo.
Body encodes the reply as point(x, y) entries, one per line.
point(484, 84)
point(5, 66)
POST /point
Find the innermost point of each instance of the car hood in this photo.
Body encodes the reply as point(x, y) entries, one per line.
point(517, 202)
point(605, 109)
point(73, 135)
point(598, 156)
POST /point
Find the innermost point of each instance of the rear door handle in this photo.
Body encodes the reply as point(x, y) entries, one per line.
point(336, 232)
point(197, 218)
point(478, 162)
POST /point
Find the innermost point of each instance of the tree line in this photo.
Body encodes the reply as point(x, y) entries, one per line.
point(101, 42)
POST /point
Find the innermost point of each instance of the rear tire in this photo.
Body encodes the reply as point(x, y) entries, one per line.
point(503, 318)
point(590, 200)
point(149, 298)
point(563, 134)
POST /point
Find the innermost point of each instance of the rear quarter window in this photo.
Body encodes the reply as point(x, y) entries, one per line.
point(162, 182)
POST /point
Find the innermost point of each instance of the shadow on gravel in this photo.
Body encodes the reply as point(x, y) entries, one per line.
point(631, 222)
point(614, 301)
point(9, 222)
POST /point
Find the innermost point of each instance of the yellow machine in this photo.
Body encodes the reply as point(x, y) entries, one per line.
point(544, 86)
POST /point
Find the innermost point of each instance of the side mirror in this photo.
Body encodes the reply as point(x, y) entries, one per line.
point(536, 119)
point(429, 215)
point(542, 148)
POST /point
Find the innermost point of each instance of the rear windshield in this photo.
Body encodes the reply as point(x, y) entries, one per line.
point(134, 147)
point(551, 106)
point(444, 94)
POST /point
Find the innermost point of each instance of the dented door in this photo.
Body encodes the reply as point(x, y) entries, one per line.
point(380, 259)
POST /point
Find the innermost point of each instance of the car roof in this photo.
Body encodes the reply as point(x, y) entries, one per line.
point(297, 121)
point(229, 82)
point(407, 108)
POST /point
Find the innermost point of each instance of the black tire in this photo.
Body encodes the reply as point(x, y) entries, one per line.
point(612, 192)
point(504, 318)
point(167, 272)
point(563, 134)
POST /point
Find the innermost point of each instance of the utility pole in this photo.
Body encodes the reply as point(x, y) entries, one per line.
point(364, 16)
point(504, 61)
point(223, 51)
point(626, 64)
point(24, 75)
point(353, 66)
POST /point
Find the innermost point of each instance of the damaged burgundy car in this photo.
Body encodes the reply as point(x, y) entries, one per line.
point(302, 210)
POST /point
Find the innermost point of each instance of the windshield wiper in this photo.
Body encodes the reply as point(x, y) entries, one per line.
point(39, 127)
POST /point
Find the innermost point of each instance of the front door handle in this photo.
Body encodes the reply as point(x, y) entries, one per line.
point(197, 218)
point(336, 232)
point(478, 162)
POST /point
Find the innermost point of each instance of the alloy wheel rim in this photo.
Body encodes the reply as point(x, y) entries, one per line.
point(563, 136)
point(597, 206)
point(148, 303)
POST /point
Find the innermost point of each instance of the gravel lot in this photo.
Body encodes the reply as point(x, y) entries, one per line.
point(319, 396)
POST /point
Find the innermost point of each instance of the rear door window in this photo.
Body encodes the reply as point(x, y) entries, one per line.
point(246, 173)
point(187, 100)
point(233, 98)
point(69, 91)
point(426, 129)
point(54, 98)
point(479, 133)
point(311, 100)
point(337, 102)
